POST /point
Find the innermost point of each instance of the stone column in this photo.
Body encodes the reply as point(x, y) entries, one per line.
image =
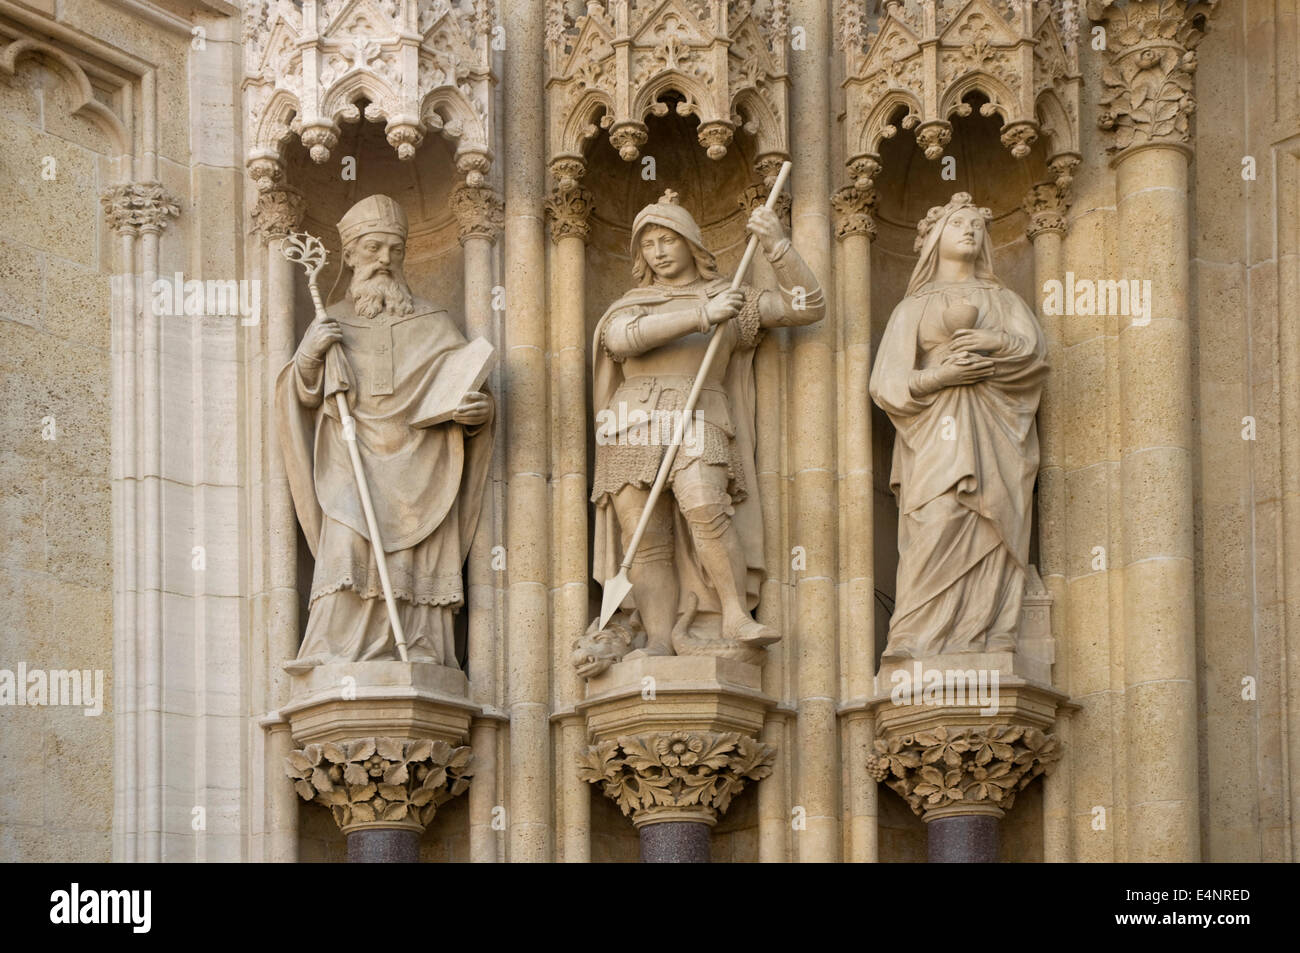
point(527, 631)
point(126, 790)
point(856, 230)
point(570, 211)
point(811, 403)
point(278, 211)
point(971, 837)
point(1045, 206)
point(480, 216)
point(1146, 101)
point(770, 374)
point(138, 212)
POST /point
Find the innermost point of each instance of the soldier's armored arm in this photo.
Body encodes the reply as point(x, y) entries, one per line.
point(800, 300)
point(628, 334)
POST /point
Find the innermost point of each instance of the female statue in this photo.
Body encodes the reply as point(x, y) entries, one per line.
point(959, 372)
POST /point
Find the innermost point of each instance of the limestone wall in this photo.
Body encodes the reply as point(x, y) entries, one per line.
point(1244, 264)
point(55, 454)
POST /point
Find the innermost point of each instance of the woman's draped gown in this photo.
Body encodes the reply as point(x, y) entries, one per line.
point(964, 465)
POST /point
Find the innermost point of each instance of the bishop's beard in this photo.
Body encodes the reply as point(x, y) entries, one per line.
point(375, 294)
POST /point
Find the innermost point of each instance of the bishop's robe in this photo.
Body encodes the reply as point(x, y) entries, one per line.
point(426, 485)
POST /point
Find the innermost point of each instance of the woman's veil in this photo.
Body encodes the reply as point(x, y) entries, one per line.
point(930, 230)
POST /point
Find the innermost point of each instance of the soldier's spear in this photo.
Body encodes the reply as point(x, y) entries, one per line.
point(617, 588)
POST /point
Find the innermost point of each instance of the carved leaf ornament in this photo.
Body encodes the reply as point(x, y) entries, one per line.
point(942, 767)
point(368, 780)
point(675, 769)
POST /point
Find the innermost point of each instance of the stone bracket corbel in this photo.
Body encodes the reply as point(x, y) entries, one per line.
point(675, 738)
point(380, 744)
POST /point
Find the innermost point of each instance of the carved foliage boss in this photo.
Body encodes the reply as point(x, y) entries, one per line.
point(675, 770)
point(974, 766)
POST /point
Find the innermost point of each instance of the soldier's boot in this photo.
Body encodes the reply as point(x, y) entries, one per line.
point(718, 546)
point(654, 586)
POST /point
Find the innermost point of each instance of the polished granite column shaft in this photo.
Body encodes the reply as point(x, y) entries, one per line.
point(383, 846)
point(675, 842)
point(963, 839)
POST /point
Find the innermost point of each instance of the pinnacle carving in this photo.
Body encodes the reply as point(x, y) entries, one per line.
point(424, 65)
point(926, 60)
point(854, 210)
point(614, 63)
point(943, 767)
point(675, 771)
point(479, 211)
point(570, 213)
point(278, 211)
point(139, 206)
point(396, 783)
point(1148, 79)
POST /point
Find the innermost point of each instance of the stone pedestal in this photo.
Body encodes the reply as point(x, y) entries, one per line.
point(381, 748)
point(958, 736)
point(352, 699)
point(674, 739)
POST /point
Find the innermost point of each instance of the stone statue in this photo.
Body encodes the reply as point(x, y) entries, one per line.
point(425, 454)
point(959, 372)
point(696, 574)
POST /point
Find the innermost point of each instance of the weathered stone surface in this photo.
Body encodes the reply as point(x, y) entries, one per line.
point(147, 525)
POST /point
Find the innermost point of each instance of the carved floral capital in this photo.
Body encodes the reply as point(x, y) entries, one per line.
point(1147, 81)
point(675, 772)
point(278, 211)
point(755, 196)
point(380, 781)
point(979, 767)
point(853, 210)
point(1046, 205)
point(139, 206)
point(479, 212)
point(570, 213)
